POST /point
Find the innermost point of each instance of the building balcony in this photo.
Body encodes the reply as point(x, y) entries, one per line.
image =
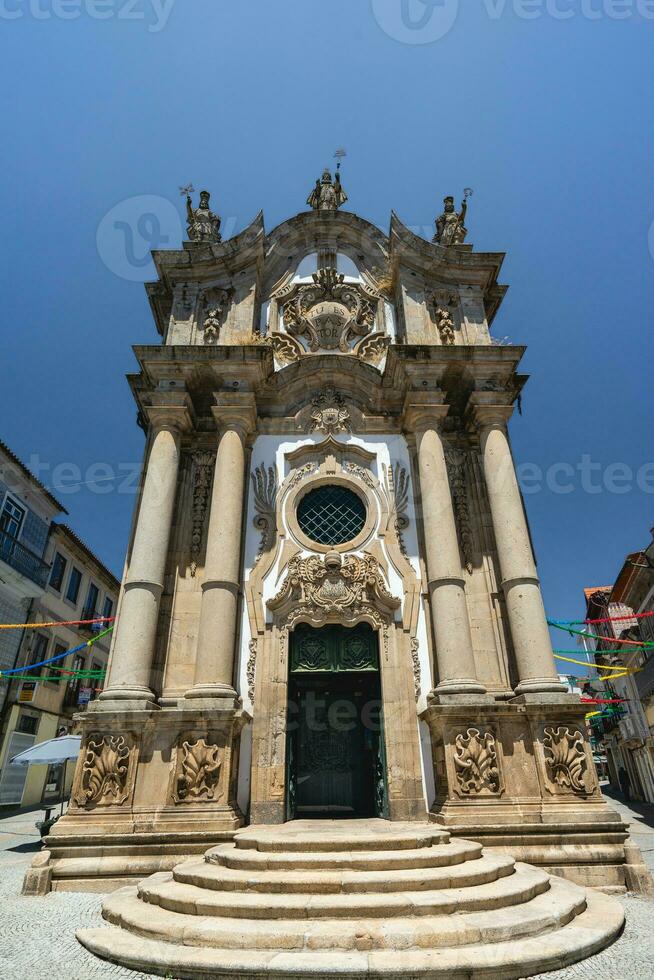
point(26, 571)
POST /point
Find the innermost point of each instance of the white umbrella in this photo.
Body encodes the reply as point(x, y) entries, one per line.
point(50, 752)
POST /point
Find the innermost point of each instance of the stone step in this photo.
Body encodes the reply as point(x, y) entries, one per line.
point(455, 852)
point(510, 889)
point(550, 910)
point(589, 932)
point(219, 878)
point(341, 835)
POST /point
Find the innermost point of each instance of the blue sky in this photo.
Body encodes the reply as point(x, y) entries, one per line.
point(549, 120)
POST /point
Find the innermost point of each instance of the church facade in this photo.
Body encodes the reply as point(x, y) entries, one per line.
point(330, 605)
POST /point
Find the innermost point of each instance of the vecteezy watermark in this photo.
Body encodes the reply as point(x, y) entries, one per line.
point(416, 21)
point(563, 477)
point(132, 229)
point(154, 13)
point(427, 21)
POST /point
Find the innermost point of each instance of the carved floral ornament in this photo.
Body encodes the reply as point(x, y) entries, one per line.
point(444, 303)
point(198, 771)
point(565, 759)
point(264, 486)
point(214, 303)
point(104, 777)
point(476, 763)
point(320, 587)
point(397, 492)
point(203, 464)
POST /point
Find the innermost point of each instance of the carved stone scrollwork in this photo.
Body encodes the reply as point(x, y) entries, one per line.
point(252, 667)
point(360, 472)
point(332, 585)
point(397, 491)
point(565, 758)
point(456, 464)
point(203, 463)
point(329, 313)
point(329, 413)
point(285, 348)
point(105, 772)
point(264, 485)
point(415, 659)
point(476, 763)
point(198, 771)
point(372, 348)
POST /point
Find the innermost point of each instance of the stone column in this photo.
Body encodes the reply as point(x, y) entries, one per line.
point(133, 649)
point(454, 653)
point(531, 639)
point(214, 665)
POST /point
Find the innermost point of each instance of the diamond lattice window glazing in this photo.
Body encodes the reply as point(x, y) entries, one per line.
point(331, 515)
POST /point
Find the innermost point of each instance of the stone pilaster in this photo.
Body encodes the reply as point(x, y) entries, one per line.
point(133, 649)
point(531, 640)
point(454, 653)
point(214, 667)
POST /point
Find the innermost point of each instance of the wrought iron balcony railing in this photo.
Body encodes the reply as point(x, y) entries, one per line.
point(23, 560)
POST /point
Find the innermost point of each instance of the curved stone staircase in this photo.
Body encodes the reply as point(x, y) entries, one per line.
point(358, 899)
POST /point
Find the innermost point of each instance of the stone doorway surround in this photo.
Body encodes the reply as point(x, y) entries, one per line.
point(333, 585)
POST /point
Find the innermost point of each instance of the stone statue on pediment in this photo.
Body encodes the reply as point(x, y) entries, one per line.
point(202, 224)
point(450, 226)
point(328, 194)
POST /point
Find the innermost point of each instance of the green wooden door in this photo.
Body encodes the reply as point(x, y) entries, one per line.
point(335, 755)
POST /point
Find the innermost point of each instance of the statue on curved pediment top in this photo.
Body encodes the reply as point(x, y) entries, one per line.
point(450, 226)
point(202, 224)
point(327, 195)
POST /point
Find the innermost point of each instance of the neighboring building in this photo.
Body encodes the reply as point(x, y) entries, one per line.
point(64, 581)
point(329, 520)
point(628, 732)
point(27, 510)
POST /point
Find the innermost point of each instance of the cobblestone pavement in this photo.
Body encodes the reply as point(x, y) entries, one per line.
point(37, 935)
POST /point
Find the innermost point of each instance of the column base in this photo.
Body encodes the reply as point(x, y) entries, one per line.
point(458, 688)
point(134, 698)
point(541, 685)
point(211, 692)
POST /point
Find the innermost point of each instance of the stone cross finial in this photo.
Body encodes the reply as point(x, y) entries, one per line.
point(203, 225)
point(328, 194)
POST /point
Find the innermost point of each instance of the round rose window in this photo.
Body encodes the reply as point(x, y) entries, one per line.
point(331, 515)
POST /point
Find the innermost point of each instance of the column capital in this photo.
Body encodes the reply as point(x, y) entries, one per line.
point(424, 410)
point(169, 410)
point(235, 410)
point(487, 408)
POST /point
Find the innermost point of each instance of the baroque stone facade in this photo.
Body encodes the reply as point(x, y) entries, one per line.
point(329, 516)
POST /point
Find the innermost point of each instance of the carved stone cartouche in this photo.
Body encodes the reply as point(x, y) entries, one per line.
point(475, 762)
point(198, 774)
point(105, 771)
point(329, 413)
point(565, 758)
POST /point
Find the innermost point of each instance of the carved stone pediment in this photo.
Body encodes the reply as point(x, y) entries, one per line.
point(328, 313)
point(330, 585)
